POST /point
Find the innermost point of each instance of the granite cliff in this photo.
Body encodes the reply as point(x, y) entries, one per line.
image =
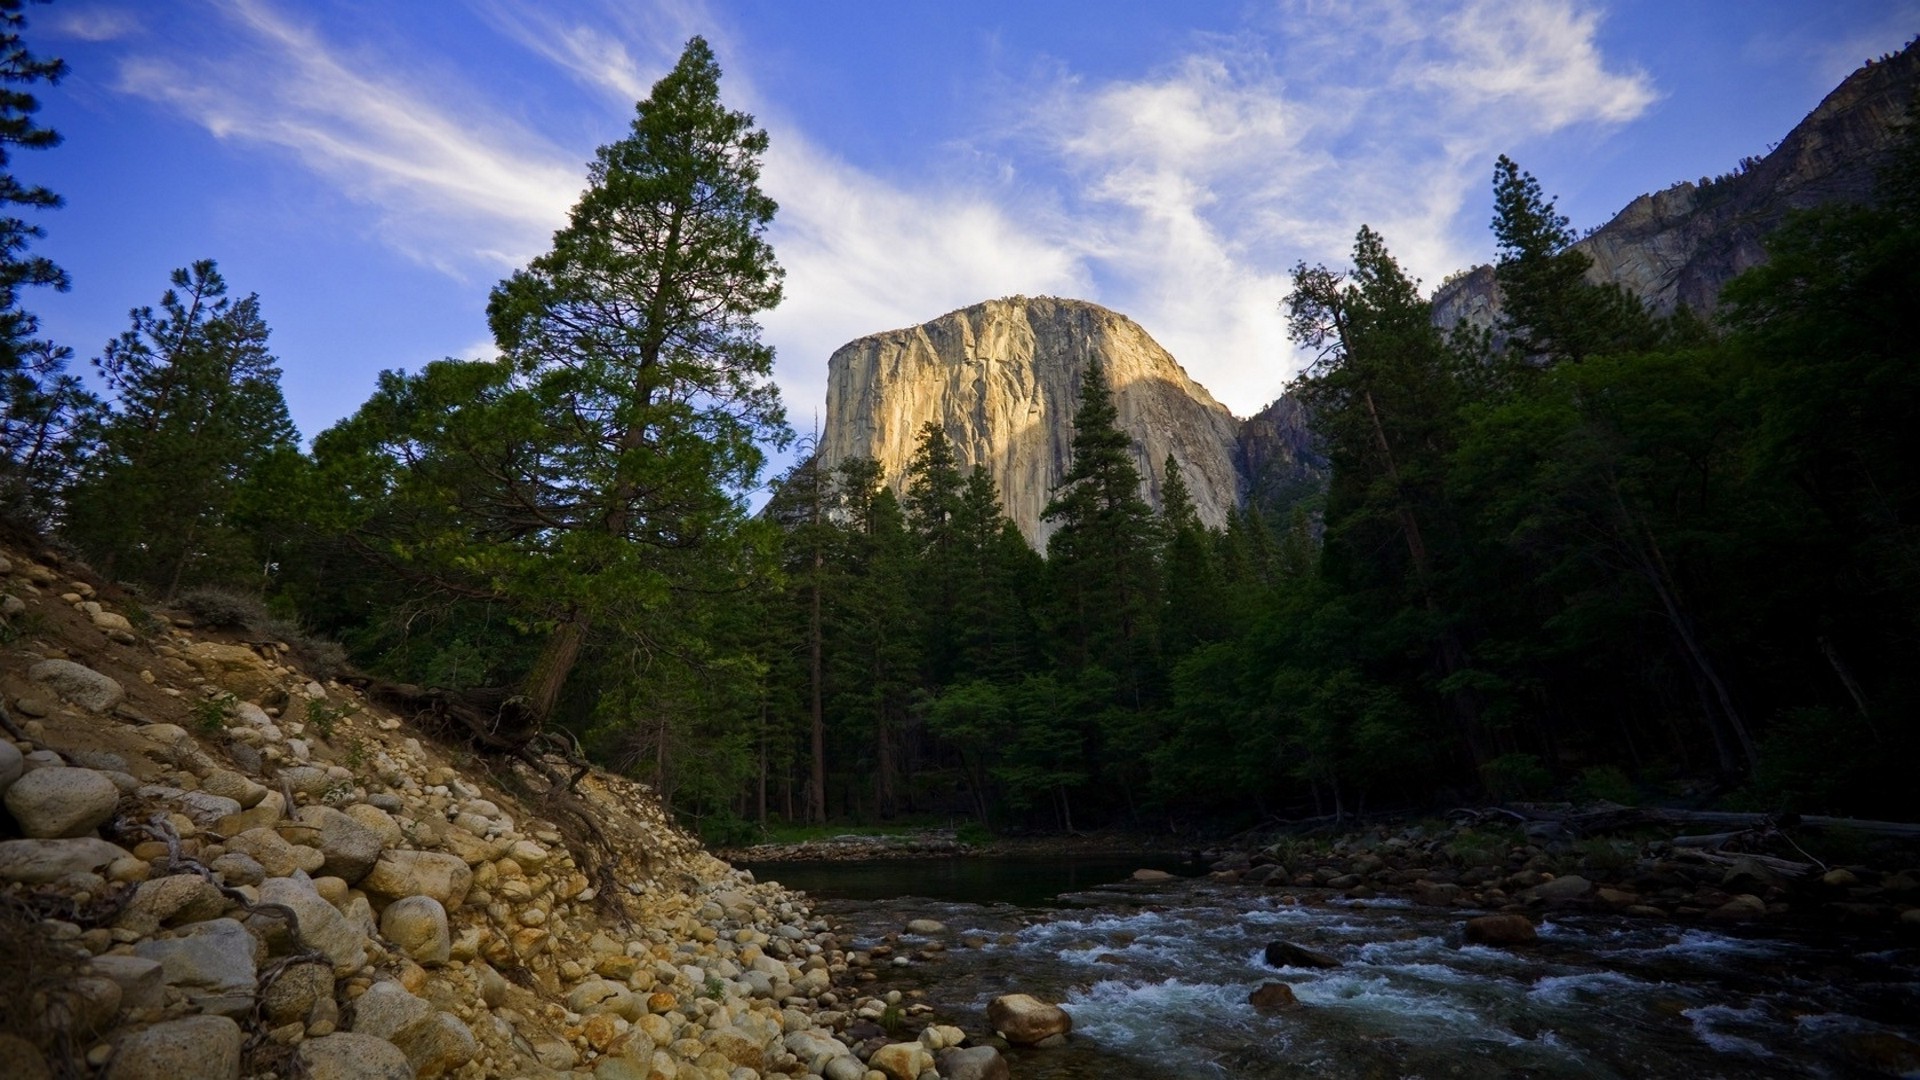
point(1003, 377)
point(1680, 245)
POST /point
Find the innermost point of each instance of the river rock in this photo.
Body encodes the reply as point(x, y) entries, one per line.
point(1152, 875)
point(200, 1047)
point(143, 984)
point(974, 1063)
point(79, 684)
point(417, 926)
point(296, 991)
point(236, 668)
point(61, 801)
point(1742, 907)
point(1499, 930)
point(277, 857)
point(232, 785)
point(321, 925)
point(171, 901)
point(1559, 890)
point(381, 822)
point(350, 848)
point(37, 862)
point(214, 963)
point(1273, 995)
point(12, 765)
point(436, 1045)
point(1025, 1019)
point(926, 927)
point(82, 1005)
point(385, 1008)
point(901, 1061)
point(1287, 954)
point(398, 874)
point(602, 996)
point(349, 1055)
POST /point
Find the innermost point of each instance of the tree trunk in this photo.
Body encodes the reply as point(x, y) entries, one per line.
point(555, 662)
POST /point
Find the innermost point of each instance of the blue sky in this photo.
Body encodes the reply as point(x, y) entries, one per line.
point(371, 169)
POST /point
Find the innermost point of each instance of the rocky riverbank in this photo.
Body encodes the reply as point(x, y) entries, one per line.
point(215, 865)
point(1482, 862)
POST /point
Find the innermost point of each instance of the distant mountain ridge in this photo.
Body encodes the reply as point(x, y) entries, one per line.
point(1683, 244)
point(1002, 376)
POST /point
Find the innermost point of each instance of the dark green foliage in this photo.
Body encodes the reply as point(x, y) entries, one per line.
point(197, 435)
point(46, 413)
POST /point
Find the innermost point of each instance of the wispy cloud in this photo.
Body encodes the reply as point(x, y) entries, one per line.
point(1210, 177)
point(1181, 195)
point(454, 189)
point(96, 23)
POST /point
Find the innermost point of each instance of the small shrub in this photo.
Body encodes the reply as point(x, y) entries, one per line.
point(323, 716)
point(210, 714)
point(224, 609)
point(1607, 858)
point(1605, 783)
point(973, 833)
point(1516, 776)
point(1484, 846)
point(24, 625)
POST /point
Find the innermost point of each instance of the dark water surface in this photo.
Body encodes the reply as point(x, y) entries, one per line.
point(1157, 976)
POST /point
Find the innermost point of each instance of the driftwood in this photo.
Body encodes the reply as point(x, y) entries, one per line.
point(1787, 868)
point(1613, 819)
point(494, 719)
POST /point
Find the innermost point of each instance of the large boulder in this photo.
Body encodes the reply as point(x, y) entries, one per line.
point(143, 985)
point(602, 996)
point(320, 924)
point(385, 1008)
point(350, 848)
point(36, 862)
point(277, 857)
point(349, 1055)
point(236, 668)
point(1559, 890)
point(902, 1061)
point(1273, 995)
point(417, 926)
point(974, 1063)
point(79, 684)
point(214, 963)
point(1025, 1019)
point(61, 801)
point(436, 1045)
point(1499, 930)
point(400, 873)
point(232, 785)
point(199, 1047)
point(12, 765)
point(1286, 954)
point(171, 901)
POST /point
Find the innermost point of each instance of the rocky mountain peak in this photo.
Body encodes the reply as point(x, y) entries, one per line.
point(1002, 377)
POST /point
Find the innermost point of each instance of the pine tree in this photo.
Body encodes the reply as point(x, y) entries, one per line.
point(197, 414)
point(595, 476)
point(1100, 557)
point(45, 413)
point(934, 493)
point(1549, 310)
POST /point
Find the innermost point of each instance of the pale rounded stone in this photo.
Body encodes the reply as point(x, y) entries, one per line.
point(37, 862)
point(417, 925)
point(79, 684)
point(61, 801)
point(346, 1055)
point(1025, 1019)
point(201, 1047)
point(398, 874)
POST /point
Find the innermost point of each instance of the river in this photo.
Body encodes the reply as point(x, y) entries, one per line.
point(1156, 977)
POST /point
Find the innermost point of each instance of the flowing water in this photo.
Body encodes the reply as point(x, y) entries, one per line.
point(1156, 978)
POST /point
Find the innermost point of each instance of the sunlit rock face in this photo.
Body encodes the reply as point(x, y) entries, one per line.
point(1680, 245)
point(1003, 379)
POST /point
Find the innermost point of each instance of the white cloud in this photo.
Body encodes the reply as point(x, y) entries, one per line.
point(1181, 196)
point(1208, 179)
point(97, 23)
point(455, 190)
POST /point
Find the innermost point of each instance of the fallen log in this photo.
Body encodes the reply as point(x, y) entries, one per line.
point(1613, 819)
